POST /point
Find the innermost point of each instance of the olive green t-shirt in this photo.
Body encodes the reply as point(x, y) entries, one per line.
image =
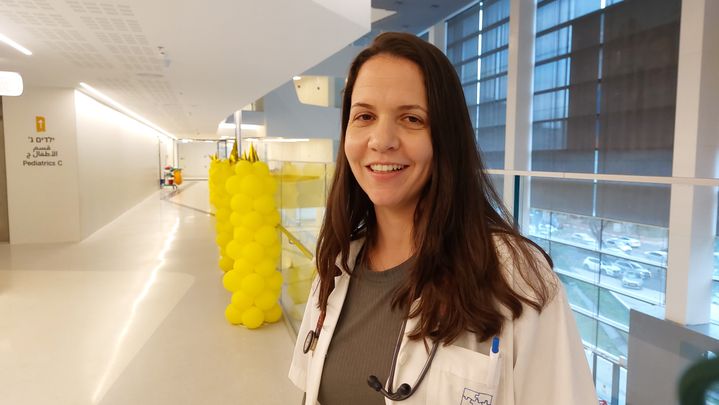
point(364, 338)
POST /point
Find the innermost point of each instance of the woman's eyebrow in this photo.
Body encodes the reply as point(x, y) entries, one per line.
point(402, 107)
point(363, 105)
point(412, 107)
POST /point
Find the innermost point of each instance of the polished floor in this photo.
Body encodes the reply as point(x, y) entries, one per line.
point(134, 314)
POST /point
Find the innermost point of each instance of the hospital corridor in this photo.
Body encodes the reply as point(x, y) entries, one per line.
point(134, 314)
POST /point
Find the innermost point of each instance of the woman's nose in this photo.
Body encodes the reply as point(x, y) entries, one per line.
point(384, 136)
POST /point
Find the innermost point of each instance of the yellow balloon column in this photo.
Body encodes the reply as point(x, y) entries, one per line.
point(242, 193)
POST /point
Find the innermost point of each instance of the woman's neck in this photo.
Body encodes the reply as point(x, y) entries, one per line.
point(394, 243)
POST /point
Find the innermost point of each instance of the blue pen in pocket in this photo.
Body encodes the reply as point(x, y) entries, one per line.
point(493, 372)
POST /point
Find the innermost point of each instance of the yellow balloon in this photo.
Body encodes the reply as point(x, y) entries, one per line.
point(261, 169)
point(274, 314)
point(241, 301)
point(264, 204)
point(273, 218)
point(226, 264)
point(243, 266)
point(233, 315)
point(236, 218)
point(266, 268)
point(266, 236)
point(241, 202)
point(253, 252)
point(223, 238)
point(232, 281)
point(253, 284)
point(234, 249)
point(253, 317)
point(266, 300)
point(252, 220)
point(274, 250)
point(275, 281)
point(243, 168)
point(222, 214)
point(223, 201)
point(232, 185)
point(243, 234)
point(252, 185)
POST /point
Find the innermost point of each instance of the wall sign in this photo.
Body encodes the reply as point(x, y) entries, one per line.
point(43, 152)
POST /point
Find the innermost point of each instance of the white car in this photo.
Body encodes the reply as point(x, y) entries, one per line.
point(634, 243)
point(583, 237)
point(627, 265)
point(657, 255)
point(618, 244)
point(593, 264)
point(546, 229)
point(632, 279)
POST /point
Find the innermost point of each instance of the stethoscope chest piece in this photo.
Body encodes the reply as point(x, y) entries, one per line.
point(310, 342)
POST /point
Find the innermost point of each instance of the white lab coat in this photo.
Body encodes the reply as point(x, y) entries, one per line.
point(541, 361)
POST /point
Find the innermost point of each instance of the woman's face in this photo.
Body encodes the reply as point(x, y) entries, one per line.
point(388, 143)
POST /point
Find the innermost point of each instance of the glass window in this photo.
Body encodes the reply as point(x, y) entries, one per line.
point(553, 44)
point(477, 43)
point(494, 63)
point(551, 75)
point(618, 99)
point(463, 25)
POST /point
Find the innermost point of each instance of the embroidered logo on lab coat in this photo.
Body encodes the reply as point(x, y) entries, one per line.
point(472, 397)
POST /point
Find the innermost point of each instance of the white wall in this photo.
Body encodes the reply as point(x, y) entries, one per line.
point(118, 162)
point(99, 163)
point(195, 159)
point(43, 200)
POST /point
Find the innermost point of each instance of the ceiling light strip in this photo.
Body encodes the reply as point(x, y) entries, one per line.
point(15, 45)
point(114, 104)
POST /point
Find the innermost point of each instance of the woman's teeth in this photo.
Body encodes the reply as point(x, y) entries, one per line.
point(386, 168)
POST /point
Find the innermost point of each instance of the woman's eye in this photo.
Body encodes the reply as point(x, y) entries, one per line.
point(363, 117)
point(413, 120)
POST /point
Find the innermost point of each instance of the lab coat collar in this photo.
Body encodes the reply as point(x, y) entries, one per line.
point(334, 308)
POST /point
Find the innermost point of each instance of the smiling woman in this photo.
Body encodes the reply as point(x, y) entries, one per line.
point(388, 143)
point(421, 280)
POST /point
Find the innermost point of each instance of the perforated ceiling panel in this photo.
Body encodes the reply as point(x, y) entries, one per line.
point(183, 65)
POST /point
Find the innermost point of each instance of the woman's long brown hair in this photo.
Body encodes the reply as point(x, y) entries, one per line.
point(457, 275)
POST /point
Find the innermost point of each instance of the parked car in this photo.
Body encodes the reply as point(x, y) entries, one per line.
point(618, 243)
point(546, 229)
point(634, 243)
point(593, 264)
point(632, 279)
point(657, 255)
point(627, 265)
point(583, 237)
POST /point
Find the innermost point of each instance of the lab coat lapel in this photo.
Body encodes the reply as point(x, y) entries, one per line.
point(334, 308)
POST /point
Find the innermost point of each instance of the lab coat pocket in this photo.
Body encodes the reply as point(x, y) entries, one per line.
point(463, 377)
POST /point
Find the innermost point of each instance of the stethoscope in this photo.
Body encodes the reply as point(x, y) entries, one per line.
point(405, 390)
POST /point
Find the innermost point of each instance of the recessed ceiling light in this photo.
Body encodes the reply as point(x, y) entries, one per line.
point(296, 78)
point(15, 45)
